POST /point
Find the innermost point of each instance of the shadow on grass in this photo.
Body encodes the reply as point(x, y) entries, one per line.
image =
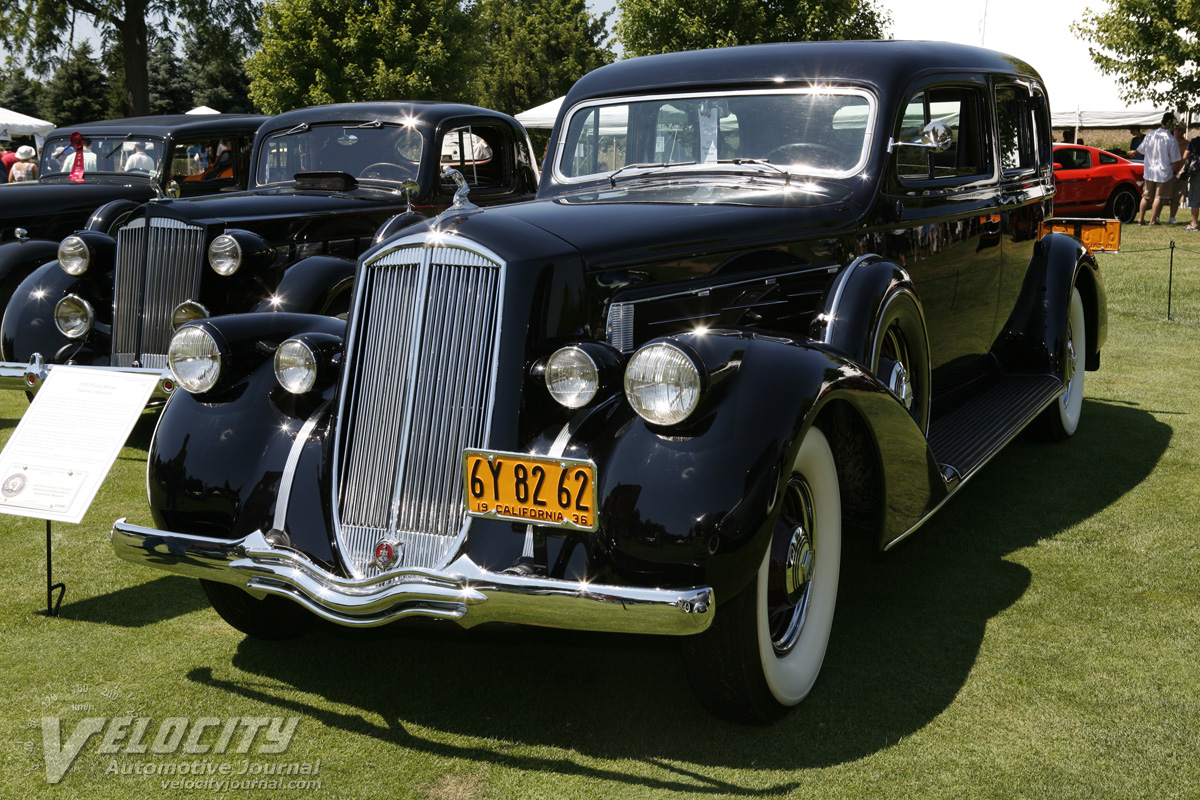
point(908, 631)
point(136, 606)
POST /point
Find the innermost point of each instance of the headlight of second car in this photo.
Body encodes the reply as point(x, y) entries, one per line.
point(663, 383)
point(74, 256)
point(572, 377)
point(73, 316)
point(195, 359)
point(295, 366)
point(225, 255)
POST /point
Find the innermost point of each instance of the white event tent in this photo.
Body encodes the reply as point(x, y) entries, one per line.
point(15, 124)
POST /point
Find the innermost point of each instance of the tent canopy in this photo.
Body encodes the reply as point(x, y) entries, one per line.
point(1105, 119)
point(202, 110)
point(14, 124)
point(542, 116)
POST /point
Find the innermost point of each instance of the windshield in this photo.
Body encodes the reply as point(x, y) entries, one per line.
point(806, 131)
point(368, 151)
point(104, 154)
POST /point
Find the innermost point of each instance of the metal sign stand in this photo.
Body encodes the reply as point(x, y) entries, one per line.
point(52, 604)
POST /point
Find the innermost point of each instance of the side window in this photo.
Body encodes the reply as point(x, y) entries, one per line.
point(204, 166)
point(482, 153)
point(959, 107)
point(1015, 109)
point(1073, 158)
point(1107, 158)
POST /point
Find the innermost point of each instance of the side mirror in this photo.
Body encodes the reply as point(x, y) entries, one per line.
point(936, 137)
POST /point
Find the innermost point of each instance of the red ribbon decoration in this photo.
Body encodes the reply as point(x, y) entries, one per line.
point(76, 175)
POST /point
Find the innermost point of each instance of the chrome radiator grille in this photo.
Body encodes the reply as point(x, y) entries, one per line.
point(417, 390)
point(158, 267)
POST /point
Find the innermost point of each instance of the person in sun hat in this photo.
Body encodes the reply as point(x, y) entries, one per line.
point(25, 168)
point(1162, 162)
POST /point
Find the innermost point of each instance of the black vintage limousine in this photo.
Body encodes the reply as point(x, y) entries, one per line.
point(324, 182)
point(35, 216)
point(767, 297)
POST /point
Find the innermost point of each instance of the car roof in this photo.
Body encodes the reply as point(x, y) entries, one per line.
point(886, 64)
point(424, 113)
point(166, 124)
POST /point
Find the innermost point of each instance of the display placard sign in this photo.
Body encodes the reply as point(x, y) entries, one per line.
point(67, 441)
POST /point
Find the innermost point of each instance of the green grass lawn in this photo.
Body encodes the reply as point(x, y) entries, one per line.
point(1036, 639)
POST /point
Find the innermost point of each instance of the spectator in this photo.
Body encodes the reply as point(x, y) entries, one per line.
point(139, 161)
point(1178, 185)
point(1191, 160)
point(1162, 162)
point(26, 167)
point(89, 157)
point(1136, 141)
point(7, 157)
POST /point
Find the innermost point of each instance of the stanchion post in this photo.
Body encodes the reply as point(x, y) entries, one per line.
point(1170, 279)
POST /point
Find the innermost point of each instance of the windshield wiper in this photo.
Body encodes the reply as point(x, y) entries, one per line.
point(301, 128)
point(612, 178)
point(372, 124)
point(758, 162)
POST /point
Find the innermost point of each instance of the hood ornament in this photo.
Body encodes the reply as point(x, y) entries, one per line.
point(461, 206)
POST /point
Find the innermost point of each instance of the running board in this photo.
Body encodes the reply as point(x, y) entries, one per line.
point(965, 439)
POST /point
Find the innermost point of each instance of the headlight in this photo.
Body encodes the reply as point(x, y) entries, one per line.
point(572, 377)
point(73, 316)
point(185, 312)
point(663, 384)
point(74, 256)
point(225, 255)
point(195, 359)
point(295, 366)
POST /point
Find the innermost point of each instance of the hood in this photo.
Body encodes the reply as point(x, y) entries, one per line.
point(237, 209)
point(55, 210)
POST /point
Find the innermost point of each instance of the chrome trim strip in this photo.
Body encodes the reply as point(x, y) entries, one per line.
point(463, 591)
point(289, 467)
point(15, 375)
point(842, 279)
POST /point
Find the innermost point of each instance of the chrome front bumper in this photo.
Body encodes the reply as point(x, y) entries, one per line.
point(463, 591)
point(15, 375)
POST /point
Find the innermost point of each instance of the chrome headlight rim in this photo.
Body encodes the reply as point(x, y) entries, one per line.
point(592, 380)
point(225, 255)
point(190, 346)
point(300, 375)
point(691, 396)
point(188, 311)
point(74, 255)
point(84, 311)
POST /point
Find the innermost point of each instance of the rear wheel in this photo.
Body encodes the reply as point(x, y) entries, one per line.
point(1123, 204)
point(271, 618)
point(765, 648)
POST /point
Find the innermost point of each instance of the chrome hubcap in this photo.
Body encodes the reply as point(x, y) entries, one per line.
point(792, 566)
point(1072, 362)
point(895, 351)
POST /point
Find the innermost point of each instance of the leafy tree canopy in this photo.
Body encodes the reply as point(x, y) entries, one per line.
point(212, 67)
point(77, 92)
point(1151, 47)
point(645, 27)
point(326, 51)
point(535, 50)
point(169, 89)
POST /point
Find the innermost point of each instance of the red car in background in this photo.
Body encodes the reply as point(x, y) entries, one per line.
point(1093, 181)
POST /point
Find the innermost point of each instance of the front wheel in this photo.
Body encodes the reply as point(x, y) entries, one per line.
point(765, 648)
point(272, 618)
point(1060, 420)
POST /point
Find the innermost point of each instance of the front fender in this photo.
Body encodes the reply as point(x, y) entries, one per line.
point(705, 494)
point(313, 285)
point(215, 464)
point(19, 259)
point(28, 324)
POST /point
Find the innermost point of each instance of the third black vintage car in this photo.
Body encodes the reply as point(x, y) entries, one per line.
point(127, 160)
point(324, 181)
point(768, 297)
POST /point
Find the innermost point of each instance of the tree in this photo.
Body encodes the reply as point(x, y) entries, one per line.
point(35, 28)
point(535, 50)
point(1150, 47)
point(650, 26)
point(325, 51)
point(77, 92)
point(213, 67)
point(19, 93)
point(169, 90)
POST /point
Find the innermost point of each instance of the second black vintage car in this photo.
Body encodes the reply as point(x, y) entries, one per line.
point(323, 182)
point(769, 298)
point(130, 160)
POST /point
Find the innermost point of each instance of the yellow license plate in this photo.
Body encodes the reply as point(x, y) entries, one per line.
point(559, 492)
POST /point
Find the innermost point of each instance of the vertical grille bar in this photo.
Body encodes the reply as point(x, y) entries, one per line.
point(417, 390)
point(159, 264)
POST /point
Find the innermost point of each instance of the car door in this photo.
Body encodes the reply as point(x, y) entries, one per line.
point(1073, 176)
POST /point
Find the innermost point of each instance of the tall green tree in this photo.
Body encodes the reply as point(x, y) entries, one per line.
point(535, 49)
point(169, 89)
point(214, 67)
point(1151, 47)
point(645, 27)
point(77, 91)
point(36, 28)
point(325, 51)
point(19, 92)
